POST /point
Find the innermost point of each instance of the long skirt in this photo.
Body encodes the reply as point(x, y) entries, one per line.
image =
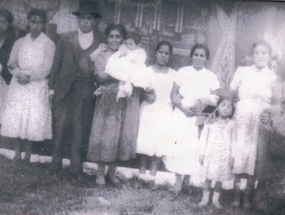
point(115, 126)
point(27, 113)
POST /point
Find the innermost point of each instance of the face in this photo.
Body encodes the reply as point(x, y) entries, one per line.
point(199, 59)
point(225, 108)
point(131, 45)
point(114, 40)
point(3, 24)
point(36, 26)
point(260, 56)
point(86, 23)
point(163, 55)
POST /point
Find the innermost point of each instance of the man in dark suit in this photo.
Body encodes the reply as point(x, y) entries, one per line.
point(72, 85)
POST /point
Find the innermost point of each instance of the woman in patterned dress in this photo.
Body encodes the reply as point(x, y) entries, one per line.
point(27, 113)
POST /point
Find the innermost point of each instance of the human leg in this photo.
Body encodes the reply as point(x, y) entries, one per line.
point(206, 193)
point(28, 150)
point(248, 191)
point(178, 183)
point(143, 164)
point(18, 149)
point(60, 121)
point(216, 195)
point(155, 161)
point(237, 193)
point(100, 179)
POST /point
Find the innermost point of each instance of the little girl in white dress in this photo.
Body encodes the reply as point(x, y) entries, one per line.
point(217, 144)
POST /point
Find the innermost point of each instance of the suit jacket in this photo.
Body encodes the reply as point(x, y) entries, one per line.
point(66, 62)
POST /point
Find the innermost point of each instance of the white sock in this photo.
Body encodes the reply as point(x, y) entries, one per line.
point(205, 199)
point(215, 200)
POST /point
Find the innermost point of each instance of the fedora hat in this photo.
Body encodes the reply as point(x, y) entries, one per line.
point(87, 7)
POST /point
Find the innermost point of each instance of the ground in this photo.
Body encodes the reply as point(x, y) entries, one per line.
point(32, 189)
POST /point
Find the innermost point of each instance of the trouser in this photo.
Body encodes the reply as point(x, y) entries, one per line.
point(75, 111)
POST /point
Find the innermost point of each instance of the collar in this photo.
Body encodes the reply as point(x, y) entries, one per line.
point(260, 70)
point(85, 40)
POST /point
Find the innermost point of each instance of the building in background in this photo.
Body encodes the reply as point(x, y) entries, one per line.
point(229, 28)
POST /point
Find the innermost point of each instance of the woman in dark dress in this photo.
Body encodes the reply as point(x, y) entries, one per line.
point(7, 39)
point(115, 124)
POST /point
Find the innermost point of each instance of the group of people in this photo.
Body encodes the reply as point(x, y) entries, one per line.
point(99, 88)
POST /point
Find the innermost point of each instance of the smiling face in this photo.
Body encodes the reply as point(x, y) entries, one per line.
point(163, 55)
point(225, 108)
point(260, 56)
point(36, 26)
point(86, 23)
point(114, 40)
point(199, 59)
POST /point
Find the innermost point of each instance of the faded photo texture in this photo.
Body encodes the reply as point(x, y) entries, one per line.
point(161, 107)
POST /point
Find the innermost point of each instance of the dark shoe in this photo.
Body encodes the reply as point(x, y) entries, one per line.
point(55, 168)
point(101, 186)
point(236, 200)
point(26, 160)
point(152, 186)
point(116, 183)
point(246, 200)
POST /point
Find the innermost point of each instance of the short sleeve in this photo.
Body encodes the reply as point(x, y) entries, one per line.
point(178, 77)
point(214, 82)
point(236, 79)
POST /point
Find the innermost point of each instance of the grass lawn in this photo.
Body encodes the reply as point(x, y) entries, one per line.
point(31, 189)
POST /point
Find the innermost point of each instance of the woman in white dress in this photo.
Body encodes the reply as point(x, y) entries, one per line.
point(254, 86)
point(27, 113)
point(155, 121)
point(191, 91)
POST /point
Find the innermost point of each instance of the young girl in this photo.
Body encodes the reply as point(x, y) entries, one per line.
point(155, 121)
point(128, 66)
point(217, 144)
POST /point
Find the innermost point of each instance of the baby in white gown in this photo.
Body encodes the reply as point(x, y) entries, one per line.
point(128, 66)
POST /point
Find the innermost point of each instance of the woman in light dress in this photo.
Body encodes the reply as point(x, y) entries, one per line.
point(254, 86)
point(155, 121)
point(192, 90)
point(27, 113)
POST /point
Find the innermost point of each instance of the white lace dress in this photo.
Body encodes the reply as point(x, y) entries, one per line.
point(155, 121)
point(27, 113)
point(255, 91)
point(183, 146)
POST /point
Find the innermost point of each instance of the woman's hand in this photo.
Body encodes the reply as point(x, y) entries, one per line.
point(188, 111)
point(211, 118)
point(201, 159)
point(150, 97)
point(232, 161)
point(23, 79)
point(99, 91)
point(176, 100)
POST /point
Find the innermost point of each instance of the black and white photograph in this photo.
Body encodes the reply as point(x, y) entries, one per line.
point(134, 107)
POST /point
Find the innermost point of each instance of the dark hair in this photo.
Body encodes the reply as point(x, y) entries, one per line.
point(262, 43)
point(37, 12)
point(164, 43)
point(9, 17)
point(222, 98)
point(136, 37)
point(118, 27)
point(200, 46)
